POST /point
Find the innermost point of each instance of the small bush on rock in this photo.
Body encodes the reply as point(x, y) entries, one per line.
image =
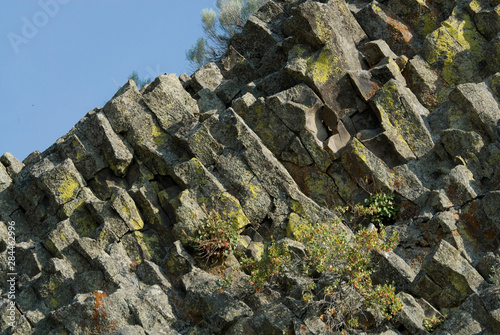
point(342, 260)
point(495, 272)
point(431, 324)
point(383, 206)
point(216, 237)
point(275, 260)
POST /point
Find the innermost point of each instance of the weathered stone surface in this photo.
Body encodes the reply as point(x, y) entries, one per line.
point(172, 105)
point(491, 55)
point(203, 299)
point(146, 200)
point(375, 51)
point(209, 103)
point(207, 76)
point(455, 276)
point(117, 155)
point(364, 83)
point(276, 82)
point(401, 113)
point(490, 299)
point(430, 89)
point(273, 177)
point(62, 182)
point(5, 180)
point(143, 246)
point(324, 71)
point(479, 235)
point(151, 308)
point(438, 201)
point(318, 24)
point(123, 204)
point(479, 102)
point(386, 70)
point(459, 185)
point(490, 203)
point(457, 62)
point(412, 315)
point(9, 314)
point(227, 90)
point(388, 146)
point(380, 23)
point(152, 274)
point(460, 323)
point(186, 210)
point(391, 267)
point(422, 18)
point(486, 16)
point(60, 238)
point(466, 144)
point(185, 79)
point(12, 164)
point(253, 197)
point(28, 260)
point(299, 108)
point(362, 164)
point(178, 262)
point(254, 41)
point(85, 158)
point(236, 67)
point(264, 122)
point(444, 226)
point(127, 113)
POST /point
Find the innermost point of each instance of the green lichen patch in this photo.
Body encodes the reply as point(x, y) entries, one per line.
point(456, 49)
point(400, 113)
point(127, 210)
point(62, 183)
point(157, 135)
point(362, 165)
point(68, 187)
point(230, 210)
point(323, 65)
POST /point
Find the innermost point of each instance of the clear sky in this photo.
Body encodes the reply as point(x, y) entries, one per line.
point(62, 58)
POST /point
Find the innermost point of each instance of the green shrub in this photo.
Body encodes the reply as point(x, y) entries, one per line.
point(216, 237)
point(346, 264)
point(383, 206)
point(343, 259)
point(431, 324)
point(275, 260)
point(495, 272)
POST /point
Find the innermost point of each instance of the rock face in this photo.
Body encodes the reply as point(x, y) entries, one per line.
point(315, 104)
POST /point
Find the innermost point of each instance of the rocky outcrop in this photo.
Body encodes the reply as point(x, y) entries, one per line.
point(315, 104)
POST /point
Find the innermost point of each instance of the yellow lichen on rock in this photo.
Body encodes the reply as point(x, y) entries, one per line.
point(456, 49)
point(126, 208)
point(158, 135)
point(233, 211)
point(322, 65)
point(68, 188)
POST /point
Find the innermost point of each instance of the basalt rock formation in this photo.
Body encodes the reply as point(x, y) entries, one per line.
point(315, 104)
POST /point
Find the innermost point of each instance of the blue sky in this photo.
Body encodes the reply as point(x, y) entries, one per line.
point(62, 58)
